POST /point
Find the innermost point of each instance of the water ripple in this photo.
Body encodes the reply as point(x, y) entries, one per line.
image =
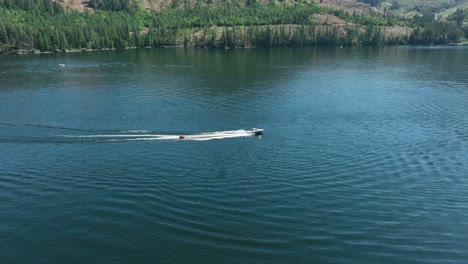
point(364, 157)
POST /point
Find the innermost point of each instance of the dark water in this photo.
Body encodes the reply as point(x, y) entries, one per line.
point(364, 157)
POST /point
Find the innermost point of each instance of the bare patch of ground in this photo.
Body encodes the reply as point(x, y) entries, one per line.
point(327, 19)
point(78, 5)
point(82, 5)
point(396, 31)
point(350, 6)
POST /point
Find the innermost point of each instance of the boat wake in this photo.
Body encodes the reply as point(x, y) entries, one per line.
point(148, 136)
point(12, 133)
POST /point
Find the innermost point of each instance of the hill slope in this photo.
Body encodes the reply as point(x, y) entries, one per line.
point(60, 25)
point(408, 8)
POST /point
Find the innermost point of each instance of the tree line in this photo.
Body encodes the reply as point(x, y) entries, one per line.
point(45, 26)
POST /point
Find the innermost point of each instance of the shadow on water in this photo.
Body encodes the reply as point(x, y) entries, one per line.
point(231, 68)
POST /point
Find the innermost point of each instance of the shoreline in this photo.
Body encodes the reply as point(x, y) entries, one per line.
point(459, 44)
point(35, 51)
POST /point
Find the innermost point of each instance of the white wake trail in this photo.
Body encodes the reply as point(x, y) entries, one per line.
point(205, 136)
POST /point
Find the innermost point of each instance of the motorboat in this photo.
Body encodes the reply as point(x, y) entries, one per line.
point(256, 131)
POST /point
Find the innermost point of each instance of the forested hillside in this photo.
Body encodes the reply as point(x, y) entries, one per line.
point(44, 25)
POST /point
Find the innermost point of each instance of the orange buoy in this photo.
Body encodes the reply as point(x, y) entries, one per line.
point(181, 136)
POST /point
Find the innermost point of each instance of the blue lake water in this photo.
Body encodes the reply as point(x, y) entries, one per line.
point(364, 157)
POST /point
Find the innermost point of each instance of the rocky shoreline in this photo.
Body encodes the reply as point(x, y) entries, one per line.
point(35, 51)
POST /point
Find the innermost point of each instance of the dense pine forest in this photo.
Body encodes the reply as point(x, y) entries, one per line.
point(44, 25)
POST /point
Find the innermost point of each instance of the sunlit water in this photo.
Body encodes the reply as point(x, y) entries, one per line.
point(364, 157)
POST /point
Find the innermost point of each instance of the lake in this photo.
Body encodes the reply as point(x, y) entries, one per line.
point(364, 158)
